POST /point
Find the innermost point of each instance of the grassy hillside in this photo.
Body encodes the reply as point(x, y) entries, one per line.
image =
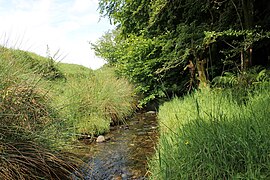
point(44, 105)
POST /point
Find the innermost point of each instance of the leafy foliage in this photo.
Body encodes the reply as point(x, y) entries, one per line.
point(156, 43)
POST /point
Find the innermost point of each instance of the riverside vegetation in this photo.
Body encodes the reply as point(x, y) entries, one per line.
point(207, 64)
point(214, 133)
point(213, 55)
point(44, 106)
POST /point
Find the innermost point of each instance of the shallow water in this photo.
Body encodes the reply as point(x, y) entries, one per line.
point(124, 155)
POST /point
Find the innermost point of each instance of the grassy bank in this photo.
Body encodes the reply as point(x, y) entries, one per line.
point(26, 120)
point(44, 105)
point(213, 135)
point(92, 100)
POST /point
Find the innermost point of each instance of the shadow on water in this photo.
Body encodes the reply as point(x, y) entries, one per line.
point(124, 155)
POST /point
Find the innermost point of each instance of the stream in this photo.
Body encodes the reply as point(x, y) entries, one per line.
point(125, 152)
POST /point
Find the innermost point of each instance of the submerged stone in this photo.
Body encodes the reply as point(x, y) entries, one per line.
point(124, 176)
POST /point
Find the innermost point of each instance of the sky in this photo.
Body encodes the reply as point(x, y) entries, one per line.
point(48, 26)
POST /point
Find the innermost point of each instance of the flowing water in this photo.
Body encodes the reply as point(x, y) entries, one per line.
point(124, 154)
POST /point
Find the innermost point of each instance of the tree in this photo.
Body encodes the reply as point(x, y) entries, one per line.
point(167, 47)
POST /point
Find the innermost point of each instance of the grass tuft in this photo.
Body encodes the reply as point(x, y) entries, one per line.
point(28, 160)
point(97, 99)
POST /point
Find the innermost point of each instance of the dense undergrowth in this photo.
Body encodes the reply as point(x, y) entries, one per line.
point(219, 133)
point(44, 105)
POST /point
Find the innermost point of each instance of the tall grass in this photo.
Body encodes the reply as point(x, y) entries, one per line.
point(96, 99)
point(25, 115)
point(210, 135)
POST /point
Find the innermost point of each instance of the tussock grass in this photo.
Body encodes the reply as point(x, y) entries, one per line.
point(26, 117)
point(24, 106)
point(29, 160)
point(96, 99)
point(210, 135)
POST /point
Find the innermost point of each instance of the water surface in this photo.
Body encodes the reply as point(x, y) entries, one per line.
point(124, 155)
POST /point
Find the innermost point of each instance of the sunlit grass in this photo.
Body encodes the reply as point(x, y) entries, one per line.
point(210, 135)
point(26, 117)
point(96, 99)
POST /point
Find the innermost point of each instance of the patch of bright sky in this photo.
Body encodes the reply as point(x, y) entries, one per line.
point(65, 25)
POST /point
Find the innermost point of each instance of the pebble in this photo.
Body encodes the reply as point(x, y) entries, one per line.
point(151, 112)
point(100, 139)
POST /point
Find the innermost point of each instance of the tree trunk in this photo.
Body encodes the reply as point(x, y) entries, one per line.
point(242, 61)
point(248, 12)
point(246, 59)
point(201, 73)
